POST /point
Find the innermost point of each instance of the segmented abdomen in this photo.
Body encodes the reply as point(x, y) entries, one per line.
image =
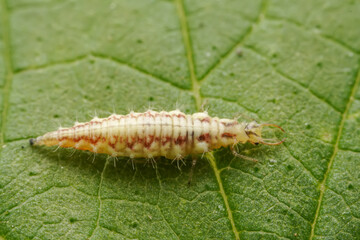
point(150, 134)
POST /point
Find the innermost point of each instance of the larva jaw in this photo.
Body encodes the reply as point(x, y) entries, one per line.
point(272, 143)
point(253, 130)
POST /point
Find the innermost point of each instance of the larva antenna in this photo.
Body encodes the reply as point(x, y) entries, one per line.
point(272, 143)
point(272, 125)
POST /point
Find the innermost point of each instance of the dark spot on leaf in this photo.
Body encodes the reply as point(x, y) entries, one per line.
point(290, 167)
point(319, 64)
point(273, 100)
point(33, 173)
point(232, 74)
point(307, 125)
point(350, 187)
point(256, 169)
point(151, 99)
point(239, 52)
point(107, 87)
point(139, 41)
point(72, 220)
point(22, 147)
point(134, 225)
point(56, 116)
point(274, 55)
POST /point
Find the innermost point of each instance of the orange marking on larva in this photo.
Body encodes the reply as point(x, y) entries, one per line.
point(130, 145)
point(165, 140)
point(147, 144)
point(179, 115)
point(175, 134)
point(228, 135)
point(180, 140)
point(204, 137)
point(229, 124)
point(205, 120)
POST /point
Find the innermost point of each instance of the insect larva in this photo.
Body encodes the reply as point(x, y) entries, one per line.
point(173, 135)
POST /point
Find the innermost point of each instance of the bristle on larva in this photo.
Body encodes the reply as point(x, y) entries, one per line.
point(173, 135)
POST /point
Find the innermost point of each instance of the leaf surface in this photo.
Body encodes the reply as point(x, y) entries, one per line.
point(295, 64)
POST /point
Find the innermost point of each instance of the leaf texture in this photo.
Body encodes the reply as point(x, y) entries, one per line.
point(293, 63)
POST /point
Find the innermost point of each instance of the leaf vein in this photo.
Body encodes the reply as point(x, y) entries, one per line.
point(239, 42)
point(99, 199)
point(336, 149)
point(292, 80)
point(325, 37)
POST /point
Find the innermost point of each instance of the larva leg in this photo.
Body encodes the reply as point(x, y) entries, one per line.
point(132, 162)
point(94, 158)
point(192, 170)
point(57, 148)
point(91, 155)
point(115, 160)
point(152, 161)
point(72, 153)
point(178, 160)
point(236, 154)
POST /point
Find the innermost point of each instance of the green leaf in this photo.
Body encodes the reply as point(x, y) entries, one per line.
point(293, 63)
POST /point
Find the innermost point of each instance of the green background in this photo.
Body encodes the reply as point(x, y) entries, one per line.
point(293, 63)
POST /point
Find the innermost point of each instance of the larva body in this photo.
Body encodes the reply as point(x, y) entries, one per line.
point(173, 135)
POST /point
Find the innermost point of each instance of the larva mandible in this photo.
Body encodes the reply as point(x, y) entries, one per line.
point(173, 135)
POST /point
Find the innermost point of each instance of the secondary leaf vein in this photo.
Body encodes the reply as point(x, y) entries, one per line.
point(322, 185)
point(99, 198)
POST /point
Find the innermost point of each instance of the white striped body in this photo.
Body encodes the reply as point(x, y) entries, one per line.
point(173, 135)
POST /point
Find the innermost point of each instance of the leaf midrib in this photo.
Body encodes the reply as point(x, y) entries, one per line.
point(196, 83)
point(198, 100)
point(322, 185)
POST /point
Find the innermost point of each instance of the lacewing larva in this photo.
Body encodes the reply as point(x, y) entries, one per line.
point(173, 135)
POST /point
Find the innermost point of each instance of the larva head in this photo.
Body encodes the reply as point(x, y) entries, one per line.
point(253, 131)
